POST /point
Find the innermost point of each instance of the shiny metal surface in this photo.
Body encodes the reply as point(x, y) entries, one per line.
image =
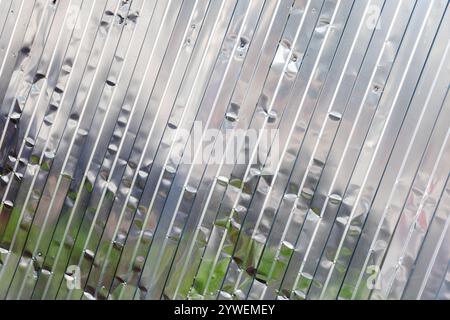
point(108, 192)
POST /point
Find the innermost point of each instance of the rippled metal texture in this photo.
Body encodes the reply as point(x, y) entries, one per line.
point(97, 202)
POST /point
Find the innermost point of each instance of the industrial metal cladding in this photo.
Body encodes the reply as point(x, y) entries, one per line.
point(224, 149)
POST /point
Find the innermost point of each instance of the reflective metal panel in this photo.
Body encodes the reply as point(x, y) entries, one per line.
point(224, 149)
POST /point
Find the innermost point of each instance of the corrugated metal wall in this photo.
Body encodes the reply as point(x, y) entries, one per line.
point(350, 198)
